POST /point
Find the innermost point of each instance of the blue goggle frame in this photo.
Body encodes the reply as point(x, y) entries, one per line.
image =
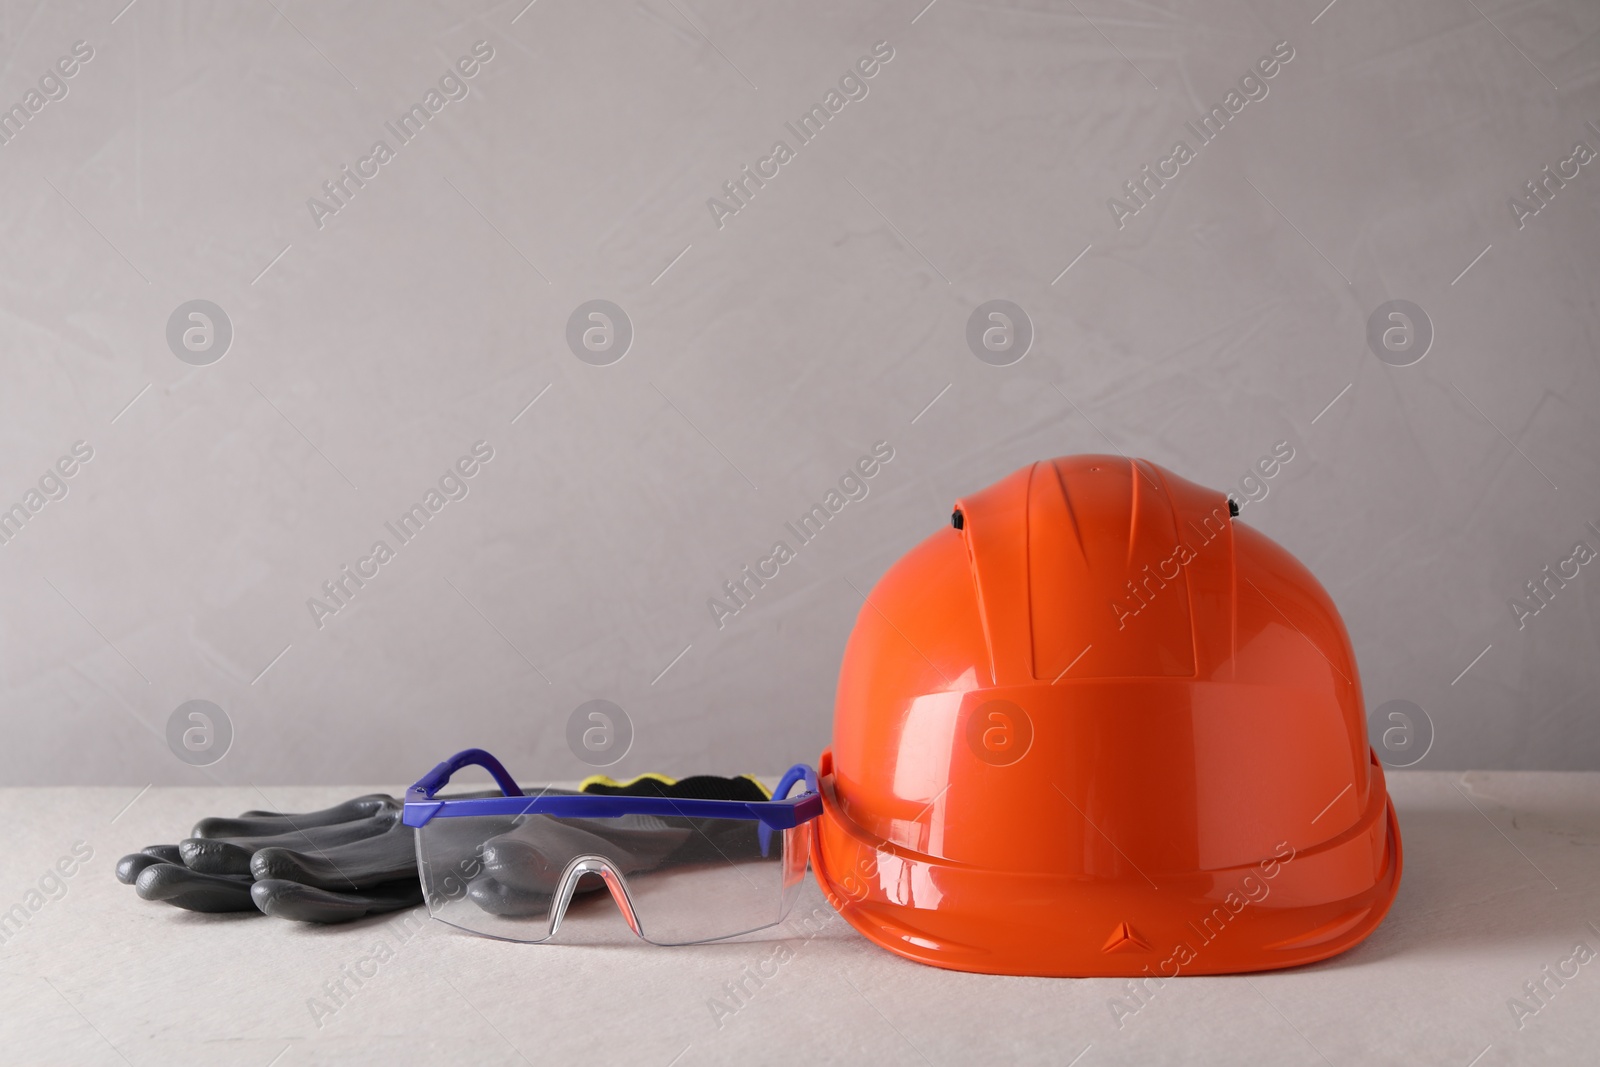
point(780, 813)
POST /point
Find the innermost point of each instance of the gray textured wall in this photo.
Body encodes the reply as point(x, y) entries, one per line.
point(377, 338)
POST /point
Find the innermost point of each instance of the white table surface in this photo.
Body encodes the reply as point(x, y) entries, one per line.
point(1489, 898)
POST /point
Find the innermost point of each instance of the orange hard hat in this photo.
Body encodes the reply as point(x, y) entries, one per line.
point(1095, 727)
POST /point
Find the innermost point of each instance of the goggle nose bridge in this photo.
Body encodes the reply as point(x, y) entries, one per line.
point(592, 864)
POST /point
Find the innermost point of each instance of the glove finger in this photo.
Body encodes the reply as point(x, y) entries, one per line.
point(358, 865)
point(129, 866)
point(215, 857)
point(183, 888)
point(232, 855)
point(496, 898)
point(304, 903)
point(272, 823)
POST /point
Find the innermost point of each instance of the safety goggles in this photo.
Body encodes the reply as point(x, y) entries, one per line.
point(681, 871)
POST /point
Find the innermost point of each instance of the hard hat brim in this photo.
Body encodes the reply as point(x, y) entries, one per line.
point(1283, 911)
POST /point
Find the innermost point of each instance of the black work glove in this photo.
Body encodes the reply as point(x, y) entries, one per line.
point(357, 858)
point(333, 865)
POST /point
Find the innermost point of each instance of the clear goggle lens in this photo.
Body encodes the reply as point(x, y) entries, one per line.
point(677, 880)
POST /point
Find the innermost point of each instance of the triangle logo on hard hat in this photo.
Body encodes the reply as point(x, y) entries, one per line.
point(1125, 938)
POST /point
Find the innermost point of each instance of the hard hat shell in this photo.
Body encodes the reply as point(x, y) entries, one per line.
point(1096, 727)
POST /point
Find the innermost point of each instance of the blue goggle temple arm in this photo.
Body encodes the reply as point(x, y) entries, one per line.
point(779, 813)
